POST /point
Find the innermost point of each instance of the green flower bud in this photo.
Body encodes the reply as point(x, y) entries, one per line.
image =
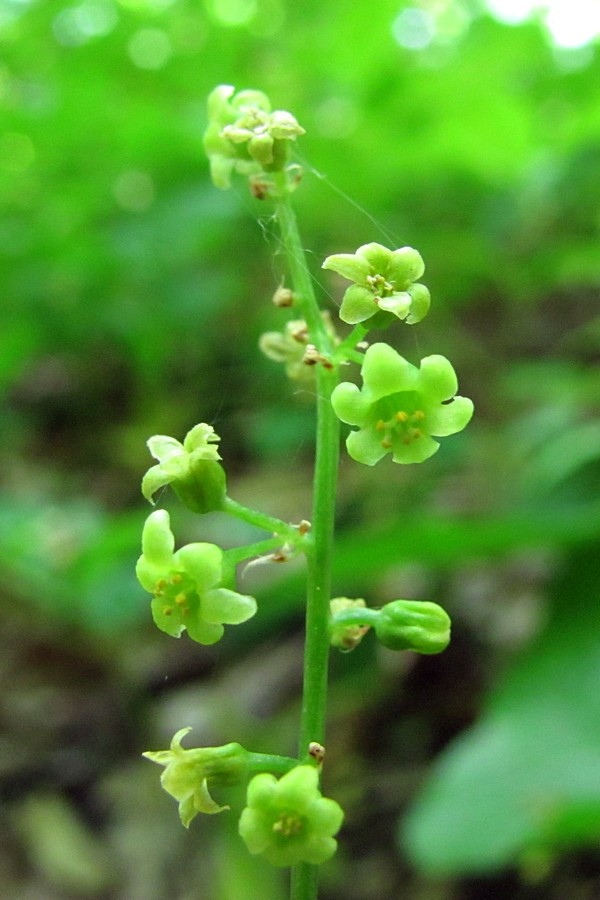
point(400, 408)
point(383, 280)
point(290, 348)
point(190, 468)
point(187, 773)
point(187, 586)
point(289, 821)
point(244, 135)
point(413, 625)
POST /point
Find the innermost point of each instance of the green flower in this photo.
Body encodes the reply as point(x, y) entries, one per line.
point(401, 408)
point(289, 821)
point(187, 773)
point(244, 135)
point(191, 468)
point(383, 280)
point(187, 585)
point(413, 625)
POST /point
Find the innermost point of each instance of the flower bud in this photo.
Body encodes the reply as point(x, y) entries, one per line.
point(413, 625)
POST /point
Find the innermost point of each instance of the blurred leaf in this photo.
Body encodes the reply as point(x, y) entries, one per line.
point(527, 775)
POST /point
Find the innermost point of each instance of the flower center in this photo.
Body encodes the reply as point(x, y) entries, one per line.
point(379, 286)
point(400, 418)
point(288, 825)
point(175, 592)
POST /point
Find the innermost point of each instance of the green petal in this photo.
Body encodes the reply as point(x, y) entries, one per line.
point(202, 562)
point(326, 816)
point(437, 378)
point(157, 539)
point(148, 574)
point(348, 266)
point(218, 102)
point(406, 265)
point(224, 607)
point(221, 168)
point(365, 446)
point(261, 791)
point(415, 452)
point(385, 372)
point(349, 404)
point(297, 789)
point(203, 632)
point(163, 447)
point(398, 304)
point(254, 831)
point(318, 849)
point(170, 623)
point(377, 256)
point(358, 305)
point(451, 417)
point(420, 303)
point(155, 478)
point(202, 437)
point(250, 99)
point(204, 803)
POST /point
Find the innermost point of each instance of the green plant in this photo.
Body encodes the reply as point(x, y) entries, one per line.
point(400, 409)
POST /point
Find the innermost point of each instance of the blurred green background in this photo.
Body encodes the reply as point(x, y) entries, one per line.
point(133, 295)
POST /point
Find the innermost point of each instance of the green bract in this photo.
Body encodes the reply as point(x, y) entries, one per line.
point(187, 773)
point(244, 135)
point(400, 408)
point(413, 625)
point(187, 585)
point(383, 280)
point(289, 821)
point(191, 468)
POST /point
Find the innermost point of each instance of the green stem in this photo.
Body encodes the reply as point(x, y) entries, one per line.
point(262, 520)
point(304, 883)
point(236, 555)
point(268, 762)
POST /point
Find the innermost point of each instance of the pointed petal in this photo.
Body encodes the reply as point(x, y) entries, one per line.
point(349, 266)
point(358, 304)
point(153, 480)
point(385, 372)
point(365, 446)
point(204, 803)
point(202, 437)
point(450, 417)
point(224, 607)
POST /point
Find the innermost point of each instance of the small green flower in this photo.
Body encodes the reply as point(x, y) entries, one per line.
point(187, 773)
point(244, 135)
point(289, 821)
point(188, 585)
point(400, 408)
point(191, 468)
point(292, 348)
point(413, 625)
point(383, 280)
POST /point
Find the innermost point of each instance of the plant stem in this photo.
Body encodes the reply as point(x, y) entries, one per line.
point(262, 520)
point(304, 883)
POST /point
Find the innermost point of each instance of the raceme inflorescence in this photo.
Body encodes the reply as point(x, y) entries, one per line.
point(400, 409)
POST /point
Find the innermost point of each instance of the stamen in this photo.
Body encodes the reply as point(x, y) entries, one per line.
point(380, 425)
point(418, 415)
point(401, 416)
point(416, 432)
point(167, 610)
point(180, 599)
point(386, 444)
point(176, 579)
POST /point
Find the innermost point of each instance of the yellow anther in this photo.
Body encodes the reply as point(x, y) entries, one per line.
point(167, 610)
point(180, 599)
point(418, 415)
point(380, 425)
point(416, 432)
point(386, 444)
point(161, 583)
point(176, 579)
point(401, 416)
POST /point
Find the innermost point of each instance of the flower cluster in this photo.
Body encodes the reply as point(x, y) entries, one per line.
point(384, 280)
point(187, 585)
point(401, 408)
point(289, 821)
point(187, 773)
point(244, 135)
